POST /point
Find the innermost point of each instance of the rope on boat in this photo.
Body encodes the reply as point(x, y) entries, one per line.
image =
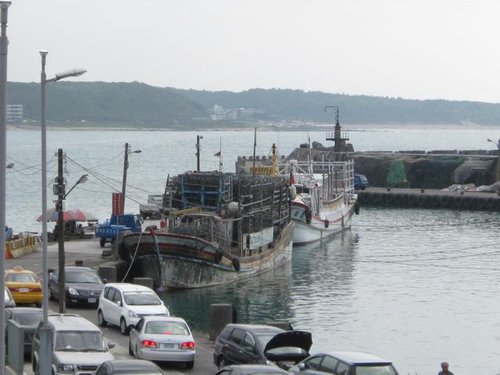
point(133, 258)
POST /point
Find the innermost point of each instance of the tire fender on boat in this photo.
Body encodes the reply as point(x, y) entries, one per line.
point(236, 264)
point(356, 208)
point(308, 215)
point(327, 223)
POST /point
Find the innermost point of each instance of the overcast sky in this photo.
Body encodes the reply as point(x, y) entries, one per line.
point(417, 49)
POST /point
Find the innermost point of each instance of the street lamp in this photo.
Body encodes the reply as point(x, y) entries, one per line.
point(125, 167)
point(60, 235)
point(198, 137)
point(45, 341)
point(498, 157)
point(4, 42)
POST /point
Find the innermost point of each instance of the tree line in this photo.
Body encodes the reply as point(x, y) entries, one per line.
point(135, 104)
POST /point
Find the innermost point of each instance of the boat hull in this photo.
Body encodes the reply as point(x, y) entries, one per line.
point(180, 261)
point(312, 228)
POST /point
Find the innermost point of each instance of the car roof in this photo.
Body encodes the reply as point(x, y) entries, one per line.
point(357, 358)
point(71, 322)
point(18, 270)
point(132, 365)
point(127, 287)
point(256, 328)
point(78, 268)
point(258, 369)
point(151, 318)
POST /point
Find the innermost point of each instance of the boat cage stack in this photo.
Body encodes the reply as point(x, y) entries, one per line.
point(264, 201)
point(205, 190)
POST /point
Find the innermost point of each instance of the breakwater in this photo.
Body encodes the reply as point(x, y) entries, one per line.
point(429, 198)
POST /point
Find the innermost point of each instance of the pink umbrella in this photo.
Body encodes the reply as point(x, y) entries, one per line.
point(71, 214)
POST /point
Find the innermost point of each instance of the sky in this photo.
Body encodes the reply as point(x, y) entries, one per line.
point(413, 49)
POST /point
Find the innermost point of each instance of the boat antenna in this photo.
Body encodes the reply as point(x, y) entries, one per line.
point(254, 147)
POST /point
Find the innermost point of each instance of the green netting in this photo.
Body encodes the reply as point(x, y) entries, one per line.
point(396, 176)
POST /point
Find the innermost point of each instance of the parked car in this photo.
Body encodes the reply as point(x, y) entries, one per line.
point(28, 318)
point(160, 338)
point(360, 182)
point(128, 367)
point(24, 286)
point(123, 304)
point(9, 300)
point(260, 344)
point(345, 363)
point(83, 285)
point(78, 345)
point(251, 370)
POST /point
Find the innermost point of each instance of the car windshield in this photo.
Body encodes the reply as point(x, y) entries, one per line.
point(90, 341)
point(82, 277)
point(166, 328)
point(264, 338)
point(141, 298)
point(21, 278)
point(375, 370)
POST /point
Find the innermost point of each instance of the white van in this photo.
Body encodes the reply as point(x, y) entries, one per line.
point(78, 345)
point(123, 304)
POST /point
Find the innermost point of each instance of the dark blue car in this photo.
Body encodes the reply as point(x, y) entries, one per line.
point(360, 182)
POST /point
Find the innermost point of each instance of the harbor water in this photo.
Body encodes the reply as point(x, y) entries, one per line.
point(416, 286)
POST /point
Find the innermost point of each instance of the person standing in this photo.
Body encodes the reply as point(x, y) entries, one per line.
point(444, 369)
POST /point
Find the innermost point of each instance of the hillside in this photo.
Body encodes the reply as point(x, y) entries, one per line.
point(139, 105)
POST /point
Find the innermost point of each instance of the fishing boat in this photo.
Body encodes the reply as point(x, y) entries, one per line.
point(324, 199)
point(218, 228)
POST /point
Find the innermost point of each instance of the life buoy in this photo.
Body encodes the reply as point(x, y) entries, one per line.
point(327, 223)
point(236, 264)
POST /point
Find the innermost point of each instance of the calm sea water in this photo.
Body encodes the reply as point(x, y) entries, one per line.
point(415, 286)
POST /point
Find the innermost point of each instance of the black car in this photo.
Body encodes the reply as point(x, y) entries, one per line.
point(260, 344)
point(26, 317)
point(83, 285)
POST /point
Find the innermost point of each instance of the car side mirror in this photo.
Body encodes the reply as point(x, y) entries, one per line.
point(302, 366)
point(119, 303)
point(104, 281)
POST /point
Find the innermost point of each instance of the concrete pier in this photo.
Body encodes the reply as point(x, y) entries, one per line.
point(429, 198)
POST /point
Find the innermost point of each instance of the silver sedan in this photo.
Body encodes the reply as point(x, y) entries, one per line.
point(159, 338)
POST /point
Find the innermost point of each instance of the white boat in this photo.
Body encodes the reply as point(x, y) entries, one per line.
point(325, 202)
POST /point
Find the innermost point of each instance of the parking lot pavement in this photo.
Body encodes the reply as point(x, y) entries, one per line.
point(89, 251)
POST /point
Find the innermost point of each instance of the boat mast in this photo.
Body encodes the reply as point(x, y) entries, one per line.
point(337, 137)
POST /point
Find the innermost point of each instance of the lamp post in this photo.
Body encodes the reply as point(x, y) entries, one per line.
point(498, 157)
point(125, 167)
point(61, 196)
point(45, 339)
point(4, 42)
point(198, 137)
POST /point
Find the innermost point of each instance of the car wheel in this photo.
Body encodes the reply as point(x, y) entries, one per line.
point(123, 326)
point(189, 365)
point(100, 319)
point(130, 352)
point(221, 363)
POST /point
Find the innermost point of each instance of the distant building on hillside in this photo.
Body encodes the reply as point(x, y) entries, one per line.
point(14, 113)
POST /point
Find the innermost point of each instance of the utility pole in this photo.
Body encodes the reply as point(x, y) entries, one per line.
point(125, 167)
point(60, 235)
point(198, 137)
point(124, 181)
